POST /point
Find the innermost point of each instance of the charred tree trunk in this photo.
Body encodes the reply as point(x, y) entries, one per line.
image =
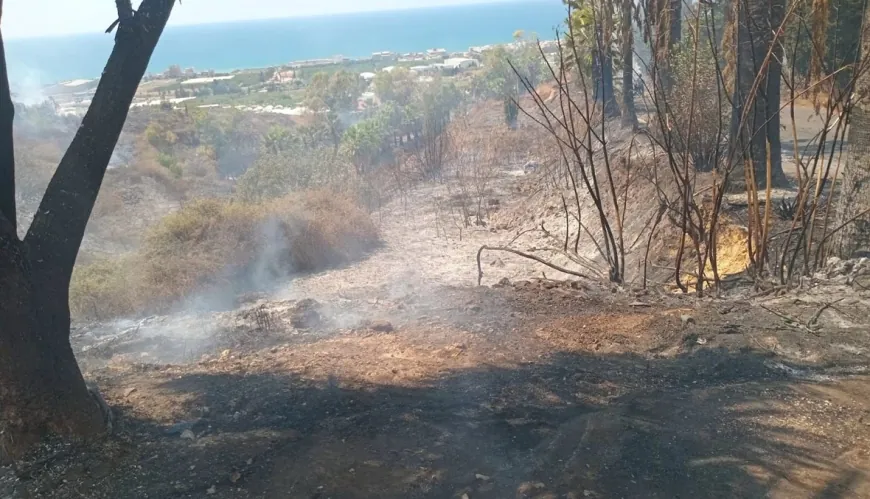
point(664, 32)
point(602, 76)
point(757, 21)
point(774, 91)
point(7, 147)
point(854, 238)
point(675, 24)
point(42, 390)
point(629, 114)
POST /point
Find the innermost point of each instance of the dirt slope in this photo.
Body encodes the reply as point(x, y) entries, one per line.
point(402, 379)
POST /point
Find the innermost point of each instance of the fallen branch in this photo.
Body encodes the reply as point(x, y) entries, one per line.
point(790, 321)
point(524, 255)
point(815, 318)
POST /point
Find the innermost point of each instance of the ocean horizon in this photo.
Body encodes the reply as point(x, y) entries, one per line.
point(34, 62)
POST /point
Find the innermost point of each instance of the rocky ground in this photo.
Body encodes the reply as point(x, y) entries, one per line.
point(399, 377)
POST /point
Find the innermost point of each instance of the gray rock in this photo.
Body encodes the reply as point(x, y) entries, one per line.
point(179, 428)
point(531, 167)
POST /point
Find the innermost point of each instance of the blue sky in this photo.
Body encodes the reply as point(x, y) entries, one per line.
point(28, 18)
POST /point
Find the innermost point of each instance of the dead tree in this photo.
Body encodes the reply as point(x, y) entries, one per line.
point(42, 390)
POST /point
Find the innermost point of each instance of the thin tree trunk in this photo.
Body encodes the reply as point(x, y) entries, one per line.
point(41, 387)
point(854, 238)
point(774, 91)
point(664, 33)
point(676, 24)
point(629, 114)
point(611, 108)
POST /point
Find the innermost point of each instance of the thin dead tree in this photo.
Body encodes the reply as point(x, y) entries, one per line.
point(576, 123)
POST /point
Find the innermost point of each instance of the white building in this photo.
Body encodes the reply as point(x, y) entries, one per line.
point(426, 70)
point(459, 63)
point(385, 56)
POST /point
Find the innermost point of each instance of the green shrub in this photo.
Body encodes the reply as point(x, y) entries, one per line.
point(107, 288)
point(169, 162)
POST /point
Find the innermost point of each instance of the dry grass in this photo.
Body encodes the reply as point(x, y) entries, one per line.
point(106, 288)
point(214, 242)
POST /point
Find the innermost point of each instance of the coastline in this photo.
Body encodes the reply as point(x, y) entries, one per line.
point(227, 47)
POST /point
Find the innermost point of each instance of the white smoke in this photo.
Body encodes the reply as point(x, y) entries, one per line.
point(27, 85)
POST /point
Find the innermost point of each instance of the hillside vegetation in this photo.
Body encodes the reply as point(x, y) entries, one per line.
point(218, 244)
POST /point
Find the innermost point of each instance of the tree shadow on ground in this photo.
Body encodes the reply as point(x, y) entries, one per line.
point(707, 424)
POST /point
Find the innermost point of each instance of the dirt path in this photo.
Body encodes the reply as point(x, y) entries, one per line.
point(404, 380)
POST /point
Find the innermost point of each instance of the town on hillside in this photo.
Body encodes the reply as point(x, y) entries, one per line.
point(278, 89)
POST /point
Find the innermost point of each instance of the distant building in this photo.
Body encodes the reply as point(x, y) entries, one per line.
point(174, 71)
point(385, 56)
point(480, 49)
point(205, 80)
point(367, 76)
point(412, 57)
point(339, 59)
point(459, 63)
point(426, 70)
point(435, 53)
point(283, 76)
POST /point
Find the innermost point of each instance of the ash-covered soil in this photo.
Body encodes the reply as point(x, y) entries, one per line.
point(398, 377)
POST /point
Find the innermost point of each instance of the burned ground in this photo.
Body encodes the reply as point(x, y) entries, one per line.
point(398, 377)
point(529, 390)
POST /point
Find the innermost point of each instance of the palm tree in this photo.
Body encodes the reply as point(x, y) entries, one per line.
point(663, 31)
point(755, 123)
point(591, 22)
point(629, 115)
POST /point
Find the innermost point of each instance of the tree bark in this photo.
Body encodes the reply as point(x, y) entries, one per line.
point(774, 91)
point(854, 238)
point(42, 390)
point(664, 32)
point(629, 114)
point(7, 149)
point(757, 20)
point(676, 24)
point(602, 76)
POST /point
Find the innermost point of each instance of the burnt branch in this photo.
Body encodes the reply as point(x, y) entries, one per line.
point(59, 224)
point(125, 14)
point(524, 255)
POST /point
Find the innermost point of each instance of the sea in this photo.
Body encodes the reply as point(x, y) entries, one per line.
point(33, 62)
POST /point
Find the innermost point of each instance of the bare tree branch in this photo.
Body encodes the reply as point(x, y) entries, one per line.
point(125, 14)
point(524, 255)
point(59, 224)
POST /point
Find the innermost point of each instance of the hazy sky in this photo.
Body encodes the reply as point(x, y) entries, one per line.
point(25, 18)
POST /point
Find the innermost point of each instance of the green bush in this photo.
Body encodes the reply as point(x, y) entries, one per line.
point(169, 162)
point(699, 126)
point(107, 288)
